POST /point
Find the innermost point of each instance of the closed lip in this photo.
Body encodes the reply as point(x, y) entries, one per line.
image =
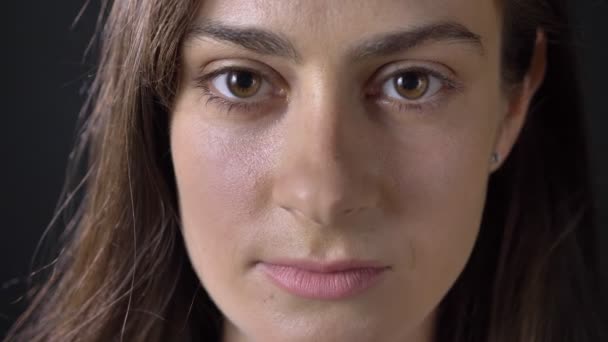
point(323, 280)
point(327, 266)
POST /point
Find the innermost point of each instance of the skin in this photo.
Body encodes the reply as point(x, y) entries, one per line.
point(318, 170)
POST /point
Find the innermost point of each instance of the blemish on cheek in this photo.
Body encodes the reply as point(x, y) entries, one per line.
point(269, 298)
point(412, 255)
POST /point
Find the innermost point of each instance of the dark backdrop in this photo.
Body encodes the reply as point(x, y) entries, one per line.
point(43, 72)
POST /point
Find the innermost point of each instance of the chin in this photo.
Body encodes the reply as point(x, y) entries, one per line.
point(320, 327)
point(328, 333)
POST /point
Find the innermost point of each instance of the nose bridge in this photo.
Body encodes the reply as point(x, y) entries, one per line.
point(325, 171)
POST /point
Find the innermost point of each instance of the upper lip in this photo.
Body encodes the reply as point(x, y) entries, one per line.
point(327, 266)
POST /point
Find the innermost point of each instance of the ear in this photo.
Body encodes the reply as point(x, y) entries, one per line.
point(519, 100)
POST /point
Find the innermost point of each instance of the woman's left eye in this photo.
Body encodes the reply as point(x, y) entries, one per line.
point(412, 86)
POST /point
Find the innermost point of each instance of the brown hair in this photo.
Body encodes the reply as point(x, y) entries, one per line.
point(123, 273)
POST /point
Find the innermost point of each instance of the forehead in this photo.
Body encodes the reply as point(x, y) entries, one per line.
point(332, 21)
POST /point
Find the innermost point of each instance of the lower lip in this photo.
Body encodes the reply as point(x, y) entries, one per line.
point(322, 285)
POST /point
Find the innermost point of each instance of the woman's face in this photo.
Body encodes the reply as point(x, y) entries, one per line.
point(332, 159)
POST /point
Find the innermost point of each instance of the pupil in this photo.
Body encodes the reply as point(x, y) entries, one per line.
point(410, 81)
point(243, 80)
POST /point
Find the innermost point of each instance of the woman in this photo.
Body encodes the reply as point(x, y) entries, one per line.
point(329, 171)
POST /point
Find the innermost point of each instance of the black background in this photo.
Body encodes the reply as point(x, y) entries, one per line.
point(43, 72)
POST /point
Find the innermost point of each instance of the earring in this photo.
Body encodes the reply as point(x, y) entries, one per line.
point(495, 158)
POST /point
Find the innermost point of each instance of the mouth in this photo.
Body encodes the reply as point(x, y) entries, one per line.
point(323, 281)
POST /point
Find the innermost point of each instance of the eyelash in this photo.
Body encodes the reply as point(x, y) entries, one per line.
point(447, 85)
point(225, 104)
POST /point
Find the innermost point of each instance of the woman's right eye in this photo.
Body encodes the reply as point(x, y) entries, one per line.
point(239, 84)
point(240, 89)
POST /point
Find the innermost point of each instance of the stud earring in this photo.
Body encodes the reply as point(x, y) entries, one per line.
point(495, 158)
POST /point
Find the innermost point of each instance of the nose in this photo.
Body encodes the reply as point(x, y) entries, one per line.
point(328, 168)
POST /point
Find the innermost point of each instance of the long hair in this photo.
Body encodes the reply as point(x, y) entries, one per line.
point(122, 272)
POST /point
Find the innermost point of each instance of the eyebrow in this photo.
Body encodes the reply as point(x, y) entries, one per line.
point(399, 41)
point(265, 42)
point(254, 39)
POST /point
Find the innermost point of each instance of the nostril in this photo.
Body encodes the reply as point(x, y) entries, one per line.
point(352, 210)
point(298, 213)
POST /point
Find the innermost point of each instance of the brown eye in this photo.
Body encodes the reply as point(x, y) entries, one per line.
point(243, 83)
point(412, 85)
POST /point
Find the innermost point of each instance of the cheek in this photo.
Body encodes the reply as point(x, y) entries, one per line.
point(440, 176)
point(443, 199)
point(221, 189)
point(436, 225)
